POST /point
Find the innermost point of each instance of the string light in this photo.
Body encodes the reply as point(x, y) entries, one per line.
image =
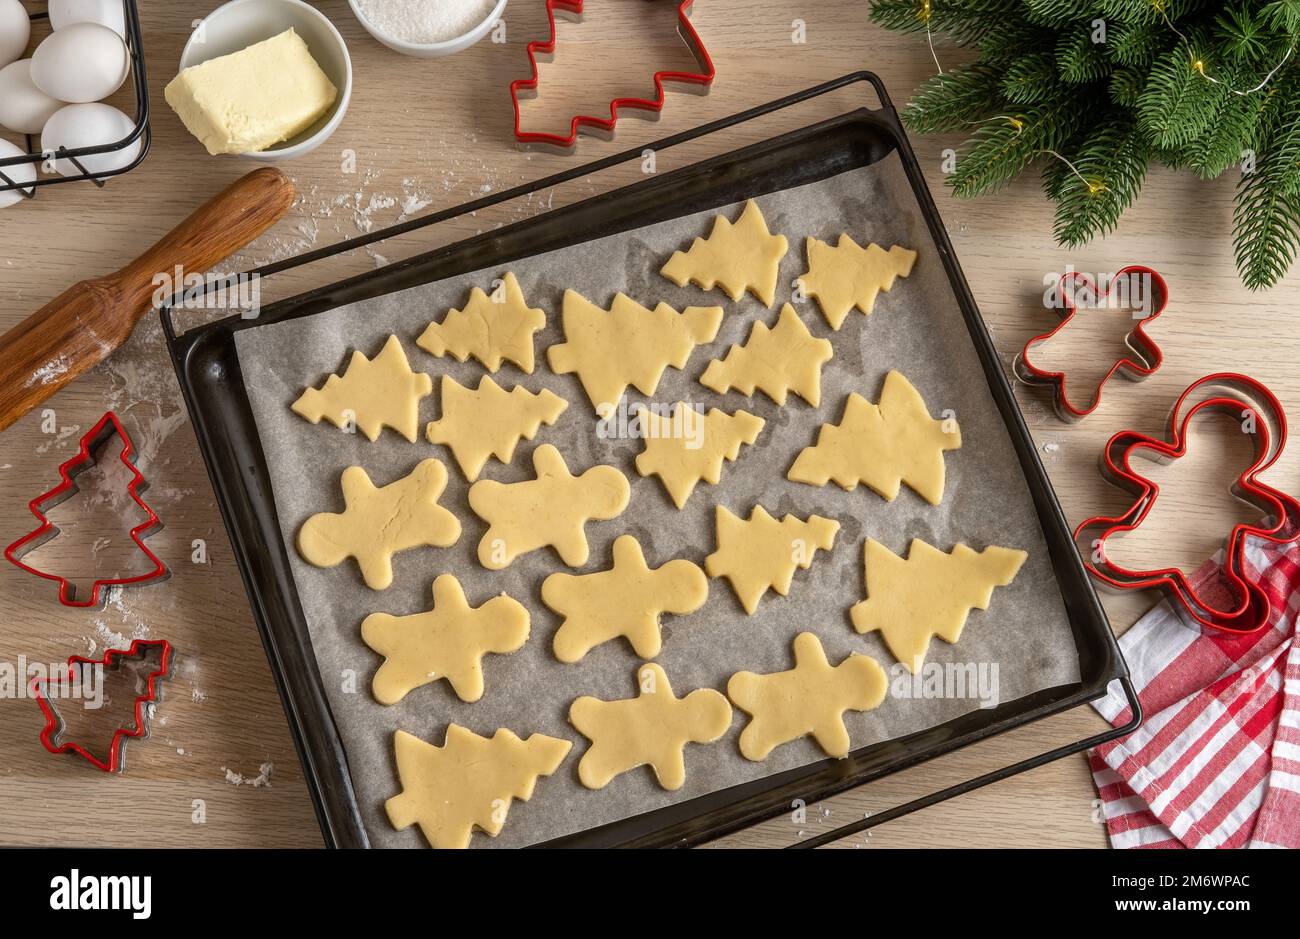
point(1198, 65)
point(1094, 185)
point(924, 13)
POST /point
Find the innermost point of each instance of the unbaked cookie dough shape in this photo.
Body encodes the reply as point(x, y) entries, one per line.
point(736, 257)
point(492, 328)
point(849, 275)
point(549, 510)
point(379, 522)
point(626, 600)
point(371, 395)
point(490, 421)
point(928, 594)
point(627, 345)
point(773, 361)
point(809, 699)
point(447, 641)
point(882, 445)
point(689, 446)
point(651, 729)
point(468, 782)
point(760, 553)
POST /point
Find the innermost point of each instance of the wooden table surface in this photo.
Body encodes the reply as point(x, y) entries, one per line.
point(420, 135)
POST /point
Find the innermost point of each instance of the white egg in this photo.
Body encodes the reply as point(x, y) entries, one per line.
point(80, 63)
point(89, 125)
point(15, 31)
point(110, 13)
point(24, 108)
point(19, 173)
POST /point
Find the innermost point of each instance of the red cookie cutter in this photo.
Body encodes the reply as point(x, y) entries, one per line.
point(604, 126)
point(112, 661)
point(85, 457)
point(1244, 398)
point(1146, 355)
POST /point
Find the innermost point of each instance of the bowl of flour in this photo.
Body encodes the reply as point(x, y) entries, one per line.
point(428, 28)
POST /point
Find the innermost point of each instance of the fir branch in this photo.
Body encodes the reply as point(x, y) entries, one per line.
point(1029, 79)
point(998, 152)
point(1078, 59)
point(1113, 163)
point(1149, 12)
point(954, 100)
point(1231, 131)
point(1283, 15)
point(1126, 86)
point(1013, 40)
point(963, 21)
point(1136, 43)
point(1266, 217)
point(1241, 36)
point(1056, 13)
point(1177, 103)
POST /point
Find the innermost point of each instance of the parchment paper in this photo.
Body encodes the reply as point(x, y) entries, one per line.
point(917, 328)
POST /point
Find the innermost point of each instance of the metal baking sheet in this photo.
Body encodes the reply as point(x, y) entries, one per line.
point(1022, 645)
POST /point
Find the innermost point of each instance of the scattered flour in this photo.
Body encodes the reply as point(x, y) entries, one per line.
point(49, 371)
point(63, 434)
point(263, 777)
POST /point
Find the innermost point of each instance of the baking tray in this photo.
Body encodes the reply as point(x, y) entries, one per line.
point(210, 377)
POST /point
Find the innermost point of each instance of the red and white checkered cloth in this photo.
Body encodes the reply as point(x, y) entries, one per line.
point(1217, 762)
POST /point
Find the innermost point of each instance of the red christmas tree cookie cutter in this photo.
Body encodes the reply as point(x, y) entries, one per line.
point(115, 761)
point(1243, 398)
point(1145, 354)
point(85, 457)
point(604, 126)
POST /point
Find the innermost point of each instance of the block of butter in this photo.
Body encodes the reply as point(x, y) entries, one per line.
point(253, 99)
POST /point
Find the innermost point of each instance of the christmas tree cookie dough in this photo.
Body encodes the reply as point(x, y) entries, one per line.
point(372, 394)
point(773, 361)
point(448, 641)
point(467, 783)
point(377, 523)
point(549, 510)
point(492, 328)
point(928, 594)
point(626, 600)
point(883, 446)
point(489, 421)
point(848, 275)
point(651, 729)
point(627, 345)
point(762, 553)
point(811, 698)
point(739, 257)
point(690, 446)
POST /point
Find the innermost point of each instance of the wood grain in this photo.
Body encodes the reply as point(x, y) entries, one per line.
point(422, 135)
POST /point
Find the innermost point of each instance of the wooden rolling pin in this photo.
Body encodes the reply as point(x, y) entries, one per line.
point(83, 325)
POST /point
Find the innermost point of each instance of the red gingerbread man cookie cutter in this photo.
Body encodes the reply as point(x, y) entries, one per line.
point(1145, 356)
point(1243, 398)
point(595, 125)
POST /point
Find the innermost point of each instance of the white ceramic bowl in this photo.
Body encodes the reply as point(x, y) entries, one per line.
point(432, 50)
point(241, 23)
